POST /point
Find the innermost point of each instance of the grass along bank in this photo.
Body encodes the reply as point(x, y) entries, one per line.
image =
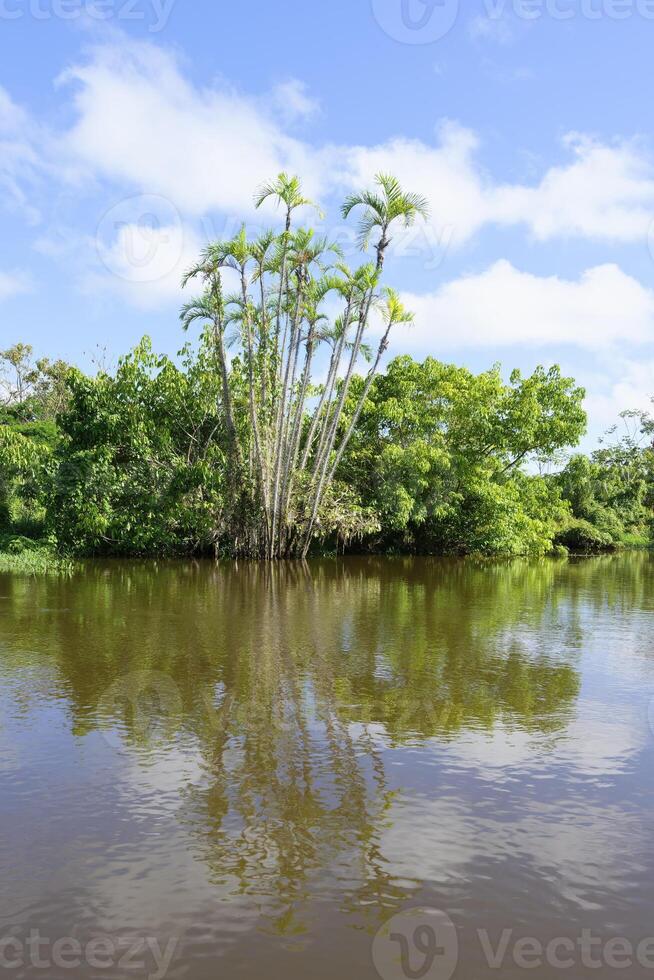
point(24, 555)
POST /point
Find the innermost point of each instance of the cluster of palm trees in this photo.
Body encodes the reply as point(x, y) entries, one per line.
point(286, 435)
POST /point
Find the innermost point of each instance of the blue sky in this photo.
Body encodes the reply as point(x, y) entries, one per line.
point(133, 130)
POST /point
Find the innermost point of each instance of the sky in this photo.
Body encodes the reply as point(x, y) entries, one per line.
point(133, 131)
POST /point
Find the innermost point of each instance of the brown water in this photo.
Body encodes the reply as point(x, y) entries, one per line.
point(262, 765)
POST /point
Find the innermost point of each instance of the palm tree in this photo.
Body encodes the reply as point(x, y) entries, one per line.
point(235, 254)
point(209, 308)
point(286, 191)
point(262, 252)
point(292, 456)
point(315, 294)
point(304, 252)
point(394, 313)
point(355, 289)
point(382, 209)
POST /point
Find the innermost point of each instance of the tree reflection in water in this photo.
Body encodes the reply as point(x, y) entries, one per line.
point(292, 682)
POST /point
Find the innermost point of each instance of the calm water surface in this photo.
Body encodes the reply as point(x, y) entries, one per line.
point(265, 764)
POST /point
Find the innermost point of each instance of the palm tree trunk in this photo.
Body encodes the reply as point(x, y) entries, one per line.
point(227, 395)
point(383, 346)
point(289, 430)
point(254, 418)
point(327, 393)
point(324, 480)
point(281, 419)
point(296, 433)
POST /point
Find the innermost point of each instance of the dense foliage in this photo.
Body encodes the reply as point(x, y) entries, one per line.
point(611, 494)
point(138, 464)
point(34, 394)
point(140, 468)
point(234, 448)
point(438, 457)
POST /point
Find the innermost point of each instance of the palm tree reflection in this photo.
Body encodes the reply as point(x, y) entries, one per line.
point(291, 683)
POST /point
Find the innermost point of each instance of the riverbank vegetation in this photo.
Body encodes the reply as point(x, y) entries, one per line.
point(274, 433)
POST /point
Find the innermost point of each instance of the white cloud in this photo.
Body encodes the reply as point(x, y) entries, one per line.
point(504, 306)
point(12, 118)
point(142, 127)
point(498, 28)
point(604, 193)
point(446, 174)
point(18, 158)
point(142, 123)
point(633, 389)
point(293, 101)
point(13, 284)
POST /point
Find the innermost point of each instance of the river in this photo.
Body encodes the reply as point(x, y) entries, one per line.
point(360, 768)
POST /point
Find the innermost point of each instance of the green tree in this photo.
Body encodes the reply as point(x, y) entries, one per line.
point(34, 392)
point(611, 493)
point(141, 458)
point(438, 452)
